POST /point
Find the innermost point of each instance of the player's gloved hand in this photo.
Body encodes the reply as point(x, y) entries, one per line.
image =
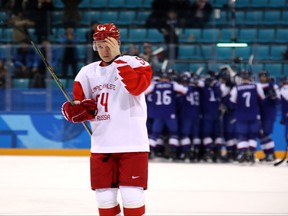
point(90, 105)
point(86, 110)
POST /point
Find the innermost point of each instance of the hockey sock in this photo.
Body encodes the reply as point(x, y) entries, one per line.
point(109, 211)
point(134, 211)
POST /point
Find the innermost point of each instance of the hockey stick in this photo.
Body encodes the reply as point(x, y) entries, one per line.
point(50, 69)
point(284, 158)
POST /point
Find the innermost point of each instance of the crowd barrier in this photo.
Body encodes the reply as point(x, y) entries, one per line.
point(31, 119)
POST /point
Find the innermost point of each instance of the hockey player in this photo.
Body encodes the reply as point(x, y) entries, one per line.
point(211, 133)
point(245, 100)
point(110, 94)
point(268, 115)
point(164, 95)
point(284, 105)
point(228, 116)
point(189, 119)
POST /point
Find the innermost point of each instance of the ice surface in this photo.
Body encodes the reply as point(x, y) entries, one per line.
point(61, 186)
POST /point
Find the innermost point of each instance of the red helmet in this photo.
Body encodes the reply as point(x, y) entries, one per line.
point(106, 30)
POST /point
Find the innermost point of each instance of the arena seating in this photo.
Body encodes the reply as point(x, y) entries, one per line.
point(263, 24)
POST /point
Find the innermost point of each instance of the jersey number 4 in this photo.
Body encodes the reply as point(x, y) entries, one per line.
point(103, 100)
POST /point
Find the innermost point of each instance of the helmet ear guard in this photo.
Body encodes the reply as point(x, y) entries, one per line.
point(94, 46)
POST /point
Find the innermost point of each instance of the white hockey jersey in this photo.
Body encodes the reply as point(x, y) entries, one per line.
point(120, 125)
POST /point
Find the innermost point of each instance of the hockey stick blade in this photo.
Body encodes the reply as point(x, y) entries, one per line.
point(282, 160)
point(49, 68)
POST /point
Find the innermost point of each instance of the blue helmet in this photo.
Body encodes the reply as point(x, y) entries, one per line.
point(263, 73)
point(245, 74)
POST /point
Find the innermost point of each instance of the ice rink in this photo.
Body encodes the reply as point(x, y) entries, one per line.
point(32, 185)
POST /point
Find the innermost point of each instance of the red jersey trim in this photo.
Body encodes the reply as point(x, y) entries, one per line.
point(78, 92)
point(137, 79)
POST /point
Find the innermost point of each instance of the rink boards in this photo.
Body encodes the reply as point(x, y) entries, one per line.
point(50, 134)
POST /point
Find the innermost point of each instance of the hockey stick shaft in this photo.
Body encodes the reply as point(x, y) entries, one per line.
point(51, 71)
point(285, 156)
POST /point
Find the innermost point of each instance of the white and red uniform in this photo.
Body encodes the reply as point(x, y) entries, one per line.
point(120, 125)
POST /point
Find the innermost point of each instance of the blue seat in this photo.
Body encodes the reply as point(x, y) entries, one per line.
point(84, 4)
point(124, 35)
point(3, 16)
point(281, 35)
point(271, 17)
point(226, 34)
point(274, 69)
point(147, 3)
point(266, 35)
point(109, 17)
point(52, 84)
point(98, 3)
point(181, 67)
point(85, 18)
point(134, 4)
point(223, 19)
point(240, 17)
point(153, 35)
point(81, 34)
point(243, 52)
point(261, 52)
point(127, 17)
point(190, 35)
point(285, 69)
point(57, 17)
point(210, 35)
point(20, 83)
point(5, 51)
point(204, 52)
point(277, 3)
point(219, 3)
point(214, 66)
point(137, 34)
point(186, 52)
point(194, 67)
point(91, 16)
point(82, 51)
point(58, 4)
point(79, 66)
point(277, 51)
point(243, 4)
point(253, 17)
point(248, 35)
point(31, 32)
point(259, 3)
point(6, 35)
point(141, 17)
point(256, 68)
point(223, 53)
point(116, 3)
point(284, 17)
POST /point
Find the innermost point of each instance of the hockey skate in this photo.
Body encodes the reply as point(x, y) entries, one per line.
point(242, 156)
point(172, 153)
point(268, 158)
point(251, 157)
point(209, 156)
